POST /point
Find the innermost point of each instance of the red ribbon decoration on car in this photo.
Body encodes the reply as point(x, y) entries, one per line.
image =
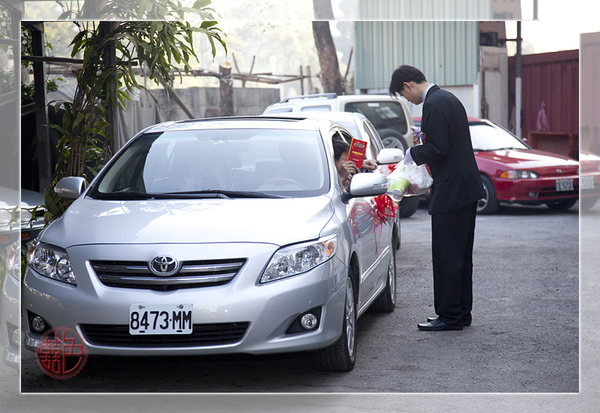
point(385, 207)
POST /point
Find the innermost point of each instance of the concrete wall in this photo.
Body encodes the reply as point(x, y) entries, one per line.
point(158, 106)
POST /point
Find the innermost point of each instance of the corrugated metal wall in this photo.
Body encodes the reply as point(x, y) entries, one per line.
point(425, 9)
point(590, 92)
point(447, 52)
point(554, 78)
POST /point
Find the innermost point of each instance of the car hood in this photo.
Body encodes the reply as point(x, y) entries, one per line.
point(528, 159)
point(276, 221)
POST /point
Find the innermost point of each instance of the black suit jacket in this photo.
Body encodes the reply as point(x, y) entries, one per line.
point(448, 152)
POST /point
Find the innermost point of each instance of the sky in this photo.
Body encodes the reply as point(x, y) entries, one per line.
point(559, 26)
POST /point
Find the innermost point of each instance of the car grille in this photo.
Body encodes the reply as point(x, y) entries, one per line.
point(193, 274)
point(202, 335)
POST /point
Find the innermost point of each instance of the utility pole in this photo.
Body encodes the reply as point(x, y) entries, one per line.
point(518, 84)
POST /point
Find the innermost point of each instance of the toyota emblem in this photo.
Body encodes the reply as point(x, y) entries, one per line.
point(164, 265)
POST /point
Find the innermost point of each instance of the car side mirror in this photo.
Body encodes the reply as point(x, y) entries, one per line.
point(388, 156)
point(366, 184)
point(70, 187)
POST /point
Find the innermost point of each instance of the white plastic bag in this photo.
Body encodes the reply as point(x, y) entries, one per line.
point(407, 179)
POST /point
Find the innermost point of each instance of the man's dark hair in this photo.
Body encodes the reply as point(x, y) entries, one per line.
point(405, 73)
point(339, 147)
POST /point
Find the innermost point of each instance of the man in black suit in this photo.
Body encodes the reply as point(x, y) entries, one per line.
point(456, 189)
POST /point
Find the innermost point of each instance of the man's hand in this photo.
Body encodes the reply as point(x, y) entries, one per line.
point(407, 156)
point(370, 164)
point(349, 169)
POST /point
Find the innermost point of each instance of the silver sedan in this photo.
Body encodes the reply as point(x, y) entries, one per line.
point(216, 236)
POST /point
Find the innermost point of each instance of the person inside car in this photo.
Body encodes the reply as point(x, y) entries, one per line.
point(347, 169)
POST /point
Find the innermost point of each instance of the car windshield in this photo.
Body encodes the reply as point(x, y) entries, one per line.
point(383, 115)
point(226, 163)
point(486, 137)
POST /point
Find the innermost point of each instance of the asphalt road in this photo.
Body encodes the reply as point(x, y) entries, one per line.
point(524, 342)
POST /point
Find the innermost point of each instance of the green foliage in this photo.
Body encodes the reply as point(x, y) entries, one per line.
point(28, 90)
point(162, 10)
point(163, 48)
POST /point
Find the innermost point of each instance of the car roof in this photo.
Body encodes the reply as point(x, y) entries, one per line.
point(328, 115)
point(332, 96)
point(236, 122)
point(417, 119)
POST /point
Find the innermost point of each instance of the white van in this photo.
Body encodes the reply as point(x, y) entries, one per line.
point(391, 117)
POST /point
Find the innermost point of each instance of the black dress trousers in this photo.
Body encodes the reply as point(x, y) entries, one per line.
point(452, 249)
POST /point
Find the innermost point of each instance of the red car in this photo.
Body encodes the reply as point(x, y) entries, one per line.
point(513, 172)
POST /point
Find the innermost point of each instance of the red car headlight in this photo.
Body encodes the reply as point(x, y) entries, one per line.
point(519, 175)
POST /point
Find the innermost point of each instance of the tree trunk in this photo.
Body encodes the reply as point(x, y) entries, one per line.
point(226, 90)
point(323, 9)
point(330, 75)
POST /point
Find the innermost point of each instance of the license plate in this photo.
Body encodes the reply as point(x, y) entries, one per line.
point(564, 185)
point(586, 182)
point(160, 319)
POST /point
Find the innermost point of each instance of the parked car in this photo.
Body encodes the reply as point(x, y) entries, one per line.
point(216, 236)
point(21, 218)
point(390, 117)
point(514, 173)
point(359, 126)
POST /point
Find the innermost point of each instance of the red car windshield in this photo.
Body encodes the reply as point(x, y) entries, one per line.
point(487, 137)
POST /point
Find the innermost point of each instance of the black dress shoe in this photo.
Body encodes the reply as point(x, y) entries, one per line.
point(465, 323)
point(438, 325)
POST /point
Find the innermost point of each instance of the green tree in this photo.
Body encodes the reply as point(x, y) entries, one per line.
point(163, 48)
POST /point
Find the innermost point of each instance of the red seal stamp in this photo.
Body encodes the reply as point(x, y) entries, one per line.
point(61, 353)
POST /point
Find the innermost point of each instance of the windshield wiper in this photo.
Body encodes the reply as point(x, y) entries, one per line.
point(207, 193)
point(221, 193)
point(128, 195)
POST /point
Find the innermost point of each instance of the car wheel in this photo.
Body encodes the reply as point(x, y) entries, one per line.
point(392, 139)
point(341, 356)
point(386, 302)
point(408, 206)
point(561, 205)
point(489, 203)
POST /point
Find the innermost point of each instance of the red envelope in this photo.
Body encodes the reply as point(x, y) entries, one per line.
point(358, 149)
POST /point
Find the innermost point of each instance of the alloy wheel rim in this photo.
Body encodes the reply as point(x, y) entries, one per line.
point(350, 319)
point(482, 203)
point(392, 278)
point(392, 143)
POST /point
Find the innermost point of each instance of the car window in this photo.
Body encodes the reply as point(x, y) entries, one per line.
point(486, 137)
point(320, 108)
point(276, 162)
point(278, 110)
point(375, 144)
point(383, 115)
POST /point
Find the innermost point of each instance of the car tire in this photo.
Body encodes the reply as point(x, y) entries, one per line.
point(386, 302)
point(397, 236)
point(561, 205)
point(393, 139)
point(489, 203)
point(341, 356)
point(408, 206)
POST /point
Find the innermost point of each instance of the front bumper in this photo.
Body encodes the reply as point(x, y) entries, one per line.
point(538, 190)
point(267, 310)
point(11, 321)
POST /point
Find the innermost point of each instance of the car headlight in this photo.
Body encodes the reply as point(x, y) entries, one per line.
point(50, 261)
point(299, 258)
point(519, 175)
point(13, 260)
